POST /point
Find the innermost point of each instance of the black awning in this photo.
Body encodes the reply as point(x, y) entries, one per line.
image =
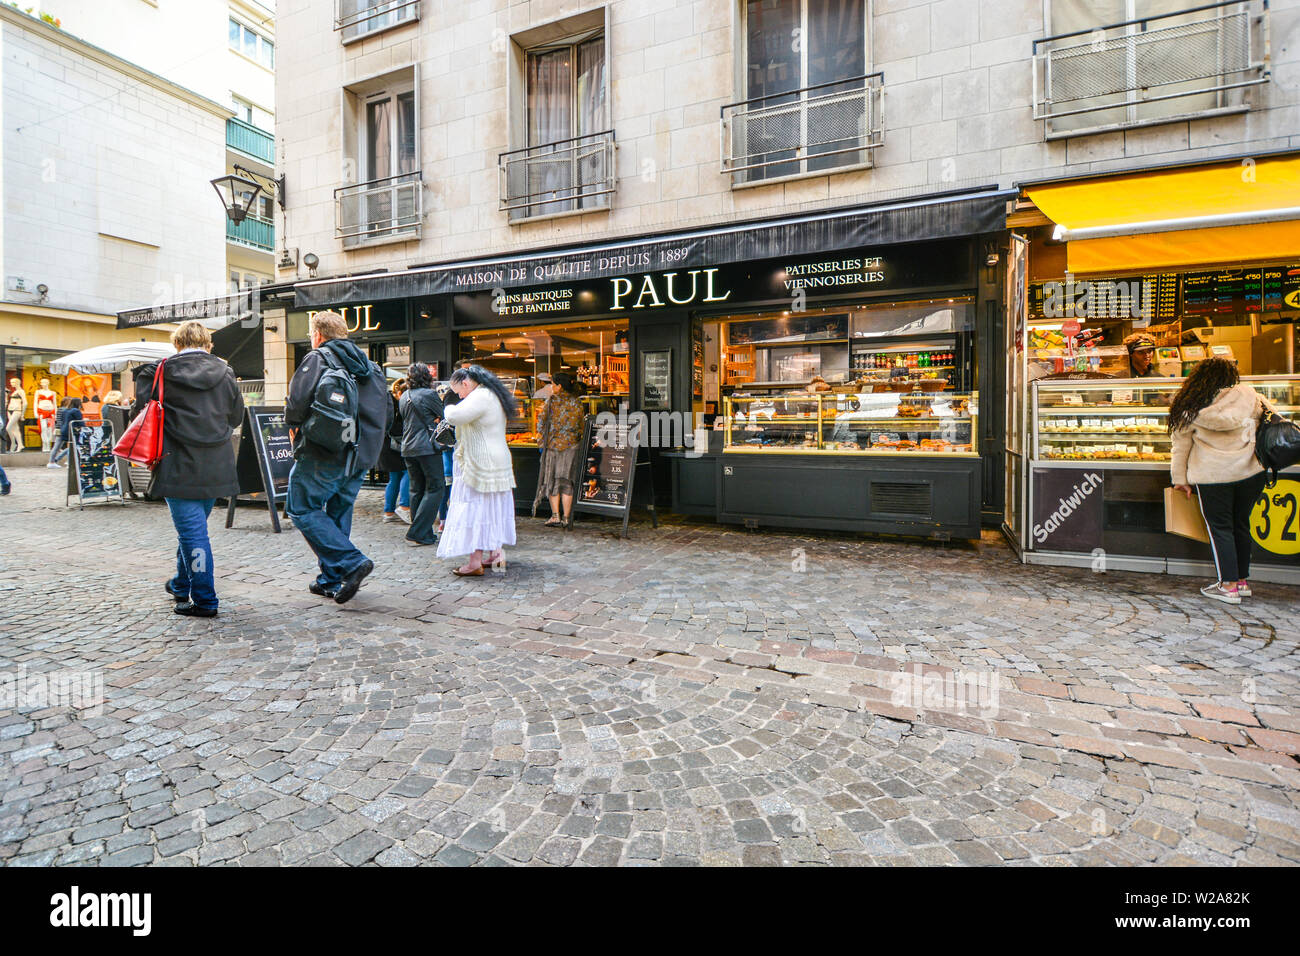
point(240, 344)
point(238, 306)
point(936, 217)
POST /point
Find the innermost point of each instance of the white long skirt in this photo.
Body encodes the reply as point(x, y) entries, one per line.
point(476, 521)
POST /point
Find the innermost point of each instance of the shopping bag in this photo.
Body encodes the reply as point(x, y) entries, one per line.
point(142, 443)
point(1277, 444)
point(1183, 516)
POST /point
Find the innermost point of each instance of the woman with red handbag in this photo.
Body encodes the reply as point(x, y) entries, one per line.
point(201, 406)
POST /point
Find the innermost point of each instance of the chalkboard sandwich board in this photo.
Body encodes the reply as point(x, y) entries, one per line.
point(264, 460)
point(609, 465)
point(92, 467)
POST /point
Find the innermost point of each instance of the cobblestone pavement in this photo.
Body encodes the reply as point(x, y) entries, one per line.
point(697, 694)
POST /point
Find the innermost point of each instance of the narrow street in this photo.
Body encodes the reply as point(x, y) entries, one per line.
point(696, 694)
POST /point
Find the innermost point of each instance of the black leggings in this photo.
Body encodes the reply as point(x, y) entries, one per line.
point(1226, 508)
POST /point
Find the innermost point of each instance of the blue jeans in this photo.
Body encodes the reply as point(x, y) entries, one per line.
point(4, 479)
point(193, 551)
point(321, 496)
point(446, 475)
point(60, 449)
point(398, 491)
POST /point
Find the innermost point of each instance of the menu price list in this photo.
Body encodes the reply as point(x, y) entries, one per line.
point(606, 469)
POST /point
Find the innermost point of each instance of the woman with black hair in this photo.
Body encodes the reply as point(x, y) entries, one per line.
point(481, 517)
point(421, 412)
point(69, 412)
point(1212, 421)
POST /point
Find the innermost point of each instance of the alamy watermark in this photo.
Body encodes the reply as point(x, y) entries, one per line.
point(653, 430)
point(81, 690)
point(957, 692)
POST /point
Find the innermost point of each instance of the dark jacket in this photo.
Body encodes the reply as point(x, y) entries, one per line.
point(375, 403)
point(389, 458)
point(421, 412)
point(201, 408)
point(63, 420)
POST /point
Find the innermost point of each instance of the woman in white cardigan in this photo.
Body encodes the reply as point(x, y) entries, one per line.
point(481, 516)
point(1212, 421)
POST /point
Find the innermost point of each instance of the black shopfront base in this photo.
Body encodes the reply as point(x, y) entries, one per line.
point(527, 462)
point(927, 497)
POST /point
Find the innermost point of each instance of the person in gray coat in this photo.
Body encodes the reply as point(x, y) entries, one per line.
point(422, 411)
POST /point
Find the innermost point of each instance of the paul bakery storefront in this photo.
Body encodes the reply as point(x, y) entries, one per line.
point(1088, 443)
point(891, 307)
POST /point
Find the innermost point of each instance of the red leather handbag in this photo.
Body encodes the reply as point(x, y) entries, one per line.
point(143, 441)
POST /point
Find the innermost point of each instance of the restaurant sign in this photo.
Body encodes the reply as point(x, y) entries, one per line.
point(776, 281)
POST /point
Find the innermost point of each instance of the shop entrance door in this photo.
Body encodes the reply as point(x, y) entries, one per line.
point(1016, 451)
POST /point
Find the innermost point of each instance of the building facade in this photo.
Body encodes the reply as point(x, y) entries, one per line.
point(117, 117)
point(705, 202)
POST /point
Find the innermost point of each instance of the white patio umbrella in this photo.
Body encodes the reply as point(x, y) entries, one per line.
point(116, 357)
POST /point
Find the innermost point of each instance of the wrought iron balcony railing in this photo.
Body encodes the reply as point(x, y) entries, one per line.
point(568, 175)
point(254, 232)
point(380, 209)
point(250, 140)
point(360, 18)
point(1193, 63)
point(819, 128)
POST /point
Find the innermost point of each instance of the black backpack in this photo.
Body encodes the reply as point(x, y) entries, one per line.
point(332, 420)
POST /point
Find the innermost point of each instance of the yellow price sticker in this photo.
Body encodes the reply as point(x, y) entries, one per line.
point(1275, 519)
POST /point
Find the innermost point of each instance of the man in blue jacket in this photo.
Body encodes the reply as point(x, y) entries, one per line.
point(323, 483)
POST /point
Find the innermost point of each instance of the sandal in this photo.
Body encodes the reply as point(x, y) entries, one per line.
point(476, 573)
point(554, 523)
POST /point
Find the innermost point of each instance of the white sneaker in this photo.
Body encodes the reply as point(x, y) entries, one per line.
point(389, 517)
point(404, 515)
point(1217, 592)
point(53, 465)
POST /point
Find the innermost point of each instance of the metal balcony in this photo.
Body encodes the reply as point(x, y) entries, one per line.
point(362, 18)
point(380, 209)
point(569, 175)
point(819, 128)
point(251, 141)
point(1186, 65)
point(254, 232)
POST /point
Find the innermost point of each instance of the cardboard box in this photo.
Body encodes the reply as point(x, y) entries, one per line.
point(1183, 516)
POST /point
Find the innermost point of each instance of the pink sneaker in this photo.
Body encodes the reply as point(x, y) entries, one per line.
point(1218, 592)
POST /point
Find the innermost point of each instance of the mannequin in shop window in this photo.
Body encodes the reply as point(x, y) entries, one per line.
point(15, 412)
point(47, 407)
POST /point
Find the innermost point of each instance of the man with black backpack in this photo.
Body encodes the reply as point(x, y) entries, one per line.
point(338, 413)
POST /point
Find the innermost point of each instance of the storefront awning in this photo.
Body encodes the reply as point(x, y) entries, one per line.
point(1240, 211)
point(240, 306)
point(939, 217)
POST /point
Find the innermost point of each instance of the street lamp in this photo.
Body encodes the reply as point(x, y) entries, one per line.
point(237, 195)
point(239, 190)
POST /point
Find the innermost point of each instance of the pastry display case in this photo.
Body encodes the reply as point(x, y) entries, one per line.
point(882, 423)
point(1124, 422)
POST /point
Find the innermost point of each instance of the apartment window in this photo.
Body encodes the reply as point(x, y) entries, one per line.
point(565, 163)
point(808, 103)
point(1118, 64)
point(361, 18)
point(382, 144)
point(252, 115)
point(244, 39)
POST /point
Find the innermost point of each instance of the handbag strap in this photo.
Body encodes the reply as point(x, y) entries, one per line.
point(158, 381)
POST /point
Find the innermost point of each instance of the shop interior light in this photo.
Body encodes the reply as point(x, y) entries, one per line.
point(502, 351)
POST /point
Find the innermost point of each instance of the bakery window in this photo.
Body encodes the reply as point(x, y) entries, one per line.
point(595, 354)
point(897, 422)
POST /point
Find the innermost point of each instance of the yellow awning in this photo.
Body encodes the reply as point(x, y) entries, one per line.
point(1201, 215)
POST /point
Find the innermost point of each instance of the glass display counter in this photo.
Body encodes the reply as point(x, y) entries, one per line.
point(1122, 423)
point(1099, 472)
point(912, 423)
